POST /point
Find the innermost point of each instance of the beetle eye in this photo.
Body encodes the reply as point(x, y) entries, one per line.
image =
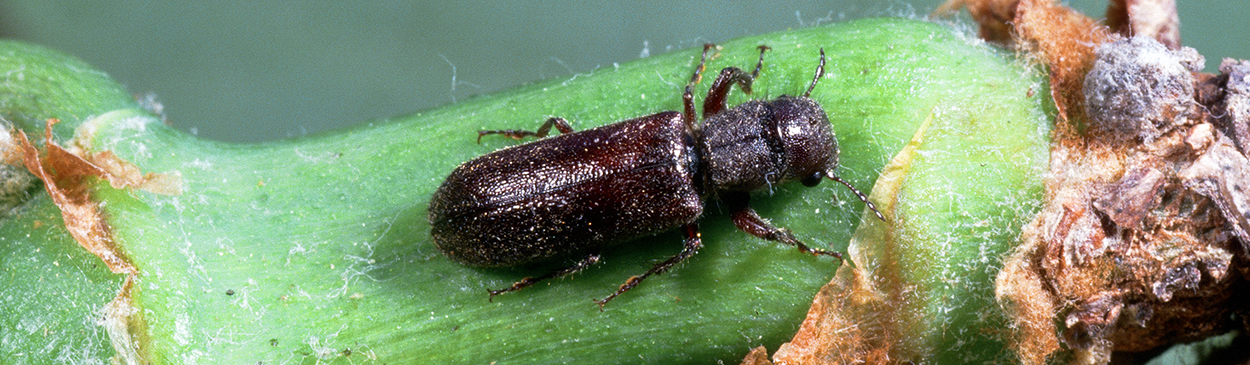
point(814, 180)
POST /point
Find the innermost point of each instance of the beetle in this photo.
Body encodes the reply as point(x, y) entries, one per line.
point(575, 193)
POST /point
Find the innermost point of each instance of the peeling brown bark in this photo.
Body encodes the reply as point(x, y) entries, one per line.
point(66, 177)
point(63, 176)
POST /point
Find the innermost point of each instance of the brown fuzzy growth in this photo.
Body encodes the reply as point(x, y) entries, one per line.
point(757, 356)
point(1065, 40)
point(1143, 234)
point(1146, 18)
point(994, 16)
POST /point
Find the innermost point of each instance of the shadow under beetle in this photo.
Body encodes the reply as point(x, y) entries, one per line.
point(574, 194)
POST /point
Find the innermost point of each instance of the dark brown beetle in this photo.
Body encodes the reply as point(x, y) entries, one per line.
point(573, 194)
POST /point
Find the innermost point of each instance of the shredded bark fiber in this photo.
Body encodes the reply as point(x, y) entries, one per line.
point(63, 176)
point(67, 178)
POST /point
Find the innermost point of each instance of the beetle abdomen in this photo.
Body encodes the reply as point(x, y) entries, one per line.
point(568, 194)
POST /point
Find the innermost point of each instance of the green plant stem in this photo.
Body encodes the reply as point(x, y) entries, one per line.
point(323, 241)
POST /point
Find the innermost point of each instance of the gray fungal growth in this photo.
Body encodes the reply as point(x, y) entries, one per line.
point(1235, 108)
point(1140, 89)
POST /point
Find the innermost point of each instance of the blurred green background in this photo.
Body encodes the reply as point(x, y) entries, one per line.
point(254, 71)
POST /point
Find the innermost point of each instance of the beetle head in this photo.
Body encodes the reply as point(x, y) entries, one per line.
point(811, 150)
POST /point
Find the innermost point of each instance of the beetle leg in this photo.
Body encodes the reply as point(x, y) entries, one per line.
point(693, 243)
point(750, 222)
point(560, 124)
point(579, 266)
point(716, 95)
point(687, 97)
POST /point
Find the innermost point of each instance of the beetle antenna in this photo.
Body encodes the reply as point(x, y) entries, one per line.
point(820, 70)
point(861, 195)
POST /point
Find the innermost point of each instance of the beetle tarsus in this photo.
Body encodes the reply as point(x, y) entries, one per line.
point(693, 242)
point(760, 63)
point(526, 282)
point(687, 97)
point(560, 123)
